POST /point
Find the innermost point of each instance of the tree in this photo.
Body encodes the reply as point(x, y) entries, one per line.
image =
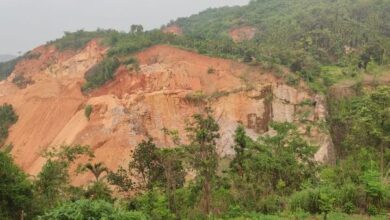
point(16, 194)
point(241, 144)
point(121, 179)
point(369, 118)
point(96, 169)
point(146, 163)
point(174, 173)
point(272, 165)
point(136, 28)
point(52, 184)
point(202, 134)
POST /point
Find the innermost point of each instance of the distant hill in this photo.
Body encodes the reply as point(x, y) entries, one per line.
point(6, 57)
point(305, 35)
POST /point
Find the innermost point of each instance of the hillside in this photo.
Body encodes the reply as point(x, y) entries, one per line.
point(275, 110)
point(171, 83)
point(6, 57)
point(304, 35)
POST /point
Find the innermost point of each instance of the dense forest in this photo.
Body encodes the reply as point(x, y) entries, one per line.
point(319, 42)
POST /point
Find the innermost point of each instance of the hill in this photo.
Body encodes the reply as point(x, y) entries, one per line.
point(274, 110)
point(304, 35)
point(6, 57)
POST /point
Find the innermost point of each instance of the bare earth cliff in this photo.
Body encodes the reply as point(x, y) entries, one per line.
point(171, 85)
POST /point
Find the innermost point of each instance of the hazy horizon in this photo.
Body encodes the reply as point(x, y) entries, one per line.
point(27, 24)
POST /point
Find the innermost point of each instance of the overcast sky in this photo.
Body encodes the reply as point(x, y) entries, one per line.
point(26, 24)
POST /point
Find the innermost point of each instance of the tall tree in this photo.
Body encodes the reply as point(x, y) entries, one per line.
point(203, 132)
point(241, 144)
point(174, 173)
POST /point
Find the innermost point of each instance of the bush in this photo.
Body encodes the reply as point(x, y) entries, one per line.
point(195, 97)
point(7, 118)
point(89, 209)
point(307, 200)
point(78, 39)
point(210, 70)
point(21, 81)
point(87, 111)
point(100, 74)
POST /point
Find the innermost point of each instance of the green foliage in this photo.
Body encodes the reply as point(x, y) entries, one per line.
point(154, 204)
point(99, 191)
point(52, 184)
point(21, 81)
point(196, 98)
point(319, 29)
point(90, 209)
point(79, 39)
point(203, 131)
point(363, 121)
point(146, 164)
point(87, 111)
point(8, 117)
point(276, 165)
point(16, 194)
point(121, 180)
point(100, 74)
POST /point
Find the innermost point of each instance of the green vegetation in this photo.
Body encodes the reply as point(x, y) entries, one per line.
point(16, 195)
point(79, 39)
point(21, 81)
point(196, 98)
point(88, 111)
point(304, 35)
point(273, 177)
point(8, 117)
point(86, 209)
point(100, 73)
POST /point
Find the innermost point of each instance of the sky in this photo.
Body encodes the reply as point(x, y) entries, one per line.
point(26, 24)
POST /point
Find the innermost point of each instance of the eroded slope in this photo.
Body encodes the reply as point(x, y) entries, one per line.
point(170, 86)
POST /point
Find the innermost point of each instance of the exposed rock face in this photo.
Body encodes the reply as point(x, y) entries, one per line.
point(243, 33)
point(173, 29)
point(140, 104)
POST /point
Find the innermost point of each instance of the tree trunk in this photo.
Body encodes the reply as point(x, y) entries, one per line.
point(207, 196)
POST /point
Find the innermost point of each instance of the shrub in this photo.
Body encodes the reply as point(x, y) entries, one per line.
point(21, 81)
point(307, 200)
point(131, 63)
point(130, 60)
point(88, 209)
point(7, 118)
point(87, 111)
point(100, 74)
point(292, 80)
point(210, 70)
point(195, 97)
point(78, 39)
